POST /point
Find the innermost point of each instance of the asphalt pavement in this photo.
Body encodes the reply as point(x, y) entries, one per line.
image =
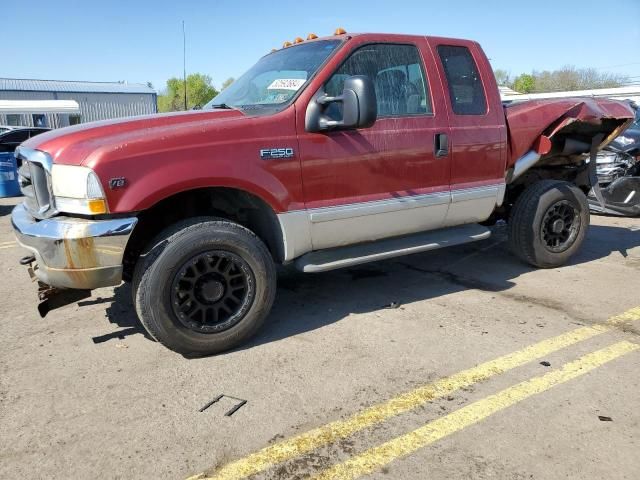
point(462, 363)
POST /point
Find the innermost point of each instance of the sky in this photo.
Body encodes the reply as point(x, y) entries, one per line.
point(140, 41)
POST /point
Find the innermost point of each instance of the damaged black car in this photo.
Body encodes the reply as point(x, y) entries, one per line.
point(618, 172)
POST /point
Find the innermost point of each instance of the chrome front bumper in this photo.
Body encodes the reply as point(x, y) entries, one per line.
point(74, 252)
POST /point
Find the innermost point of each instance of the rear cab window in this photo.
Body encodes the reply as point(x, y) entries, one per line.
point(466, 90)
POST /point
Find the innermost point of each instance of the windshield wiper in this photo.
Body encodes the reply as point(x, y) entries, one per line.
point(222, 105)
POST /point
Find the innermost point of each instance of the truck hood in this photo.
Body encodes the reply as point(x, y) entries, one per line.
point(86, 143)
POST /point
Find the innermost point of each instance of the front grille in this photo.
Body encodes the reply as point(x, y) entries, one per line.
point(26, 186)
point(35, 184)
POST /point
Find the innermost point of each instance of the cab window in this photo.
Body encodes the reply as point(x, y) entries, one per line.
point(465, 86)
point(398, 76)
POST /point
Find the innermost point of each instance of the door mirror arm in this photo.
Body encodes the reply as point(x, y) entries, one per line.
point(323, 122)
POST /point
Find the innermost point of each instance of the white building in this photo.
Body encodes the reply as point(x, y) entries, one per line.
point(618, 93)
point(53, 103)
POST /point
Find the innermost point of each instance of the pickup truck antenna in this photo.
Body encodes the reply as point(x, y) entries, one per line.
point(184, 64)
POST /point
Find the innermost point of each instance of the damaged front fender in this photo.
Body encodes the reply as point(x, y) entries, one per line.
point(569, 124)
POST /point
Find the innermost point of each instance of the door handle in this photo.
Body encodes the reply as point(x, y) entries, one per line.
point(441, 145)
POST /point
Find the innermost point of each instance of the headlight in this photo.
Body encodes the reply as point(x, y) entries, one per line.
point(77, 190)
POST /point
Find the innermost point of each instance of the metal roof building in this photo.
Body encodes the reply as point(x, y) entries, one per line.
point(96, 101)
point(617, 93)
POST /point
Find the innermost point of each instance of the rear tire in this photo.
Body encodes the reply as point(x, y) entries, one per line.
point(548, 223)
point(204, 286)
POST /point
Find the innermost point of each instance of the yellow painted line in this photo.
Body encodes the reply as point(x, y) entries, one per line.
point(8, 245)
point(377, 457)
point(317, 437)
point(626, 317)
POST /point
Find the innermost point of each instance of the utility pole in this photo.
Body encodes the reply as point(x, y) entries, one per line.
point(184, 64)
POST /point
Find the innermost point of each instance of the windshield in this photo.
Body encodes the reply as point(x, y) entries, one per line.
point(276, 78)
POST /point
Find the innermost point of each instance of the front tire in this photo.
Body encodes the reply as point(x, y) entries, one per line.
point(204, 286)
point(548, 223)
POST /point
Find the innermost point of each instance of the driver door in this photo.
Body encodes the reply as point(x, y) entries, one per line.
point(386, 180)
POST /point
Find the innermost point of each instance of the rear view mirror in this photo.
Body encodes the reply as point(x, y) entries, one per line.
point(359, 106)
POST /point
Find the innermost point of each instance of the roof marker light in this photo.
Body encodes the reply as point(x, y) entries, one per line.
point(340, 31)
point(286, 44)
point(312, 36)
point(298, 40)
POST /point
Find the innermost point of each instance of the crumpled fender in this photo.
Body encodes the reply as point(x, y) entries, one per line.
point(528, 121)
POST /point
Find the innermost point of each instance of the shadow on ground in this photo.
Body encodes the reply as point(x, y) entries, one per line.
point(121, 313)
point(306, 302)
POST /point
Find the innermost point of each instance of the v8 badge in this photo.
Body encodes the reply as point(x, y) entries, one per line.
point(117, 182)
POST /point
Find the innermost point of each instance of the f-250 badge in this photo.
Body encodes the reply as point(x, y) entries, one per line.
point(272, 153)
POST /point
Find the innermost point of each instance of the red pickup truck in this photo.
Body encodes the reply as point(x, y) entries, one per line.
point(327, 153)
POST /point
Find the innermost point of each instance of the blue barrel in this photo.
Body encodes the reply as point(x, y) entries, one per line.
point(8, 176)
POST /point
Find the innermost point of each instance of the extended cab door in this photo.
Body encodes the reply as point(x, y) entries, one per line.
point(478, 130)
point(386, 180)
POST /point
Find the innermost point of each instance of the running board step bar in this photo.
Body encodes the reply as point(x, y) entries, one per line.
point(330, 259)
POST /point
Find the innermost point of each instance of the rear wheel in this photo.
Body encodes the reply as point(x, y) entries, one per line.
point(548, 223)
point(204, 286)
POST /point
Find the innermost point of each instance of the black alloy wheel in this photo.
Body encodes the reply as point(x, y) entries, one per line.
point(548, 223)
point(212, 291)
point(204, 285)
point(560, 226)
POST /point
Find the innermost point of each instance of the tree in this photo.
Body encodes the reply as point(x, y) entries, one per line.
point(571, 78)
point(502, 77)
point(199, 91)
point(565, 79)
point(227, 82)
point(524, 83)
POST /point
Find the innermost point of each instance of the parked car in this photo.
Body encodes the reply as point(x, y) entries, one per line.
point(11, 137)
point(618, 172)
point(327, 153)
point(6, 128)
point(631, 135)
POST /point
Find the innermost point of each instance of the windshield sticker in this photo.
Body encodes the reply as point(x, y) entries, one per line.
point(286, 84)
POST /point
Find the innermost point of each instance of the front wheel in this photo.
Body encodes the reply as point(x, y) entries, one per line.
point(548, 223)
point(204, 286)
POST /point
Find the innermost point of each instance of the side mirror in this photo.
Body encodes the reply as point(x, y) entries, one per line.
point(359, 106)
